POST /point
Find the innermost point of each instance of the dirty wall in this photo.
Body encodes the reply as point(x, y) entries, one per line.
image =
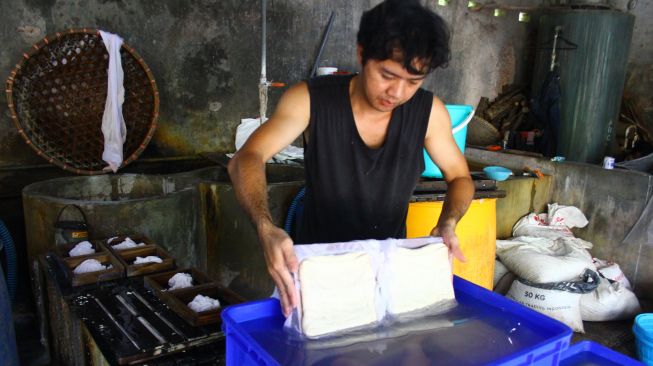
point(205, 56)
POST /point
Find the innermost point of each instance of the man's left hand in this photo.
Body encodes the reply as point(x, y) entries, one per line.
point(448, 234)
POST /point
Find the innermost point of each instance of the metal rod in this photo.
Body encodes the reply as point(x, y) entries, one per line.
point(263, 82)
point(166, 321)
point(325, 37)
point(558, 29)
point(142, 320)
point(117, 324)
point(263, 38)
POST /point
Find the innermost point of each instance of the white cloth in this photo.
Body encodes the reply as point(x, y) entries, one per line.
point(247, 126)
point(82, 248)
point(180, 280)
point(148, 259)
point(126, 244)
point(113, 124)
point(203, 303)
point(89, 265)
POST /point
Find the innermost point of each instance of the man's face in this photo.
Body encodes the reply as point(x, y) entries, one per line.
point(387, 84)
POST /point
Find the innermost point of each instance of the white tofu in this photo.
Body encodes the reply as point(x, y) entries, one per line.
point(417, 278)
point(338, 292)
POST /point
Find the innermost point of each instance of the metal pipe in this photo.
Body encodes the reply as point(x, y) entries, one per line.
point(115, 322)
point(325, 37)
point(143, 321)
point(263, 82)
point(149, 306)
point(263, 39)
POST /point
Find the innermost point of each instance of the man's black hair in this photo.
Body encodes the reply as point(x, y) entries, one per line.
point(407, 27)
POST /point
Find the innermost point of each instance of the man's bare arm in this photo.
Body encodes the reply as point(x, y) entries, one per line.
point(247, 172)
point(442, 148)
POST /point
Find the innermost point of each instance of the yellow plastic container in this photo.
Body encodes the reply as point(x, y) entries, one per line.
point(476, 233)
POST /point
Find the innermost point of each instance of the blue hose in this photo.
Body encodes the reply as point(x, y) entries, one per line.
point(292, 211)
point(10, 253)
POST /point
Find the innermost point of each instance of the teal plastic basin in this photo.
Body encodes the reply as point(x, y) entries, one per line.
point(460, 116)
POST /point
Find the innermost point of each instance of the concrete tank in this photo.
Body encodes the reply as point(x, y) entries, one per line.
point(167, 208)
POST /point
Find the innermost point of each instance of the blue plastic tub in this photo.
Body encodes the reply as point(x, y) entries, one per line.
point(460, 116)
point(643, 330)
point(590, 353)
point(487, 329)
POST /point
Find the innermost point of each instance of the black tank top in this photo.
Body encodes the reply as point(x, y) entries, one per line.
point(354, 192)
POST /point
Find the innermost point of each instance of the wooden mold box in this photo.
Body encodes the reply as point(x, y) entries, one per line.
point(116, 271)
point(178, 301)
point(159, 282)
point(128, 256)
point(63, 249)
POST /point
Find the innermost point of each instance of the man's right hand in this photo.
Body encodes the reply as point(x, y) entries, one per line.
point(281, 262)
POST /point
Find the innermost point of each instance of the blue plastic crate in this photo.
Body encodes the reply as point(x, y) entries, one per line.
point(498, 332)
point(590, 353)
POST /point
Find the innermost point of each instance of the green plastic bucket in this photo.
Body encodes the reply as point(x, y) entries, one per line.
point(460, 116)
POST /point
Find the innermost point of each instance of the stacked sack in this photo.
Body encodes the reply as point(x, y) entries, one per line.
point(549, 270)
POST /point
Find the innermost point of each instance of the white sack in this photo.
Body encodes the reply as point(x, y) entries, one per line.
point(247, 126)
point(557, 223)
point(610, 301)
point(612, 271)
point(559, 305)
point(113, 124)
point(542, 260)
point(560, 300)
point(568, 216)
point(499, 271)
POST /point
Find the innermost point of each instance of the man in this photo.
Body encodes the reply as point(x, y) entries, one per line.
point(366, 134)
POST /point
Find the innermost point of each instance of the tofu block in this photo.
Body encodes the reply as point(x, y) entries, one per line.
point(417, 278)
point(338, 292)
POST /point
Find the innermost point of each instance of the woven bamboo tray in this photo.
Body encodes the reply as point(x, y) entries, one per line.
point(57, 93)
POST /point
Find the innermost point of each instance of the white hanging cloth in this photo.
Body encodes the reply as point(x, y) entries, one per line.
point(113, 124)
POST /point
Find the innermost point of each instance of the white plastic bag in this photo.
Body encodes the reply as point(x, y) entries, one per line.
point(610, 301)
point(377, 252)
point(542, 260)
point(113, 124)
point(247, 126)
